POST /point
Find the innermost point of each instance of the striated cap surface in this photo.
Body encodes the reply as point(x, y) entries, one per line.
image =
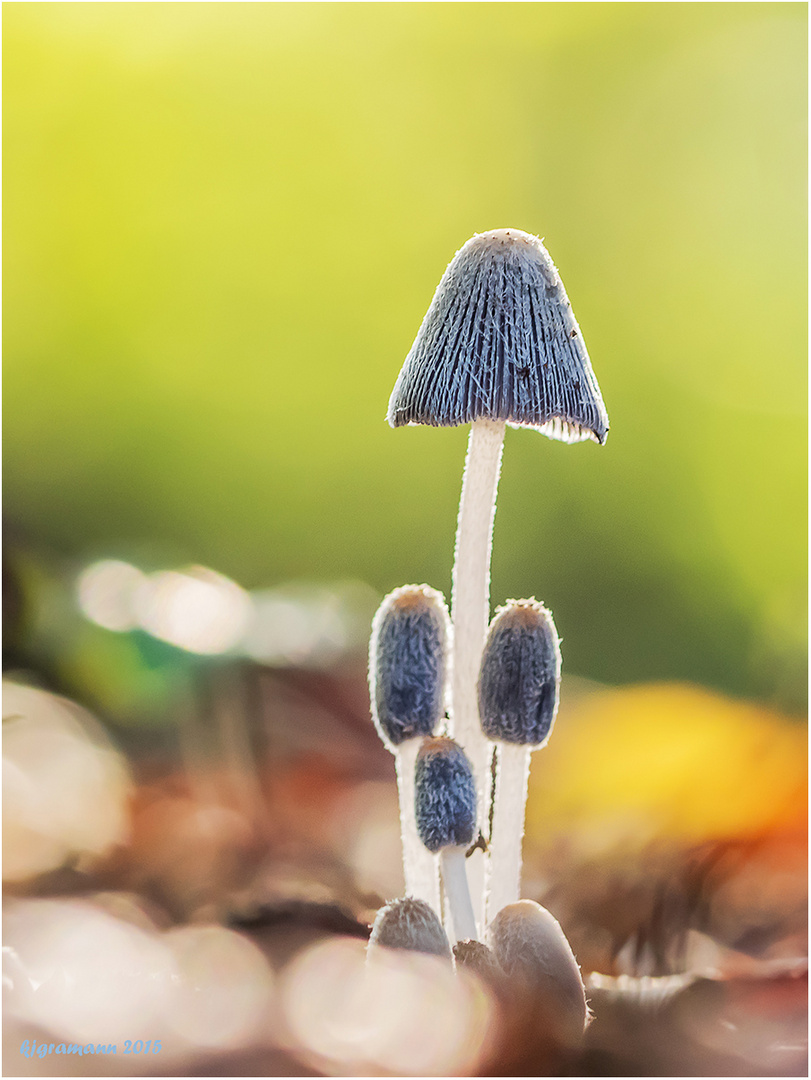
point(500, 340)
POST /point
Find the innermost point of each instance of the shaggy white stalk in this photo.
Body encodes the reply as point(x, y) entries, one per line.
point(454, 881)
point(504, 864)
point(470, 614)
point(419, 864)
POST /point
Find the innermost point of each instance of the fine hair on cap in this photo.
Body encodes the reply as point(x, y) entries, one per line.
point(478, 958)
point(410, 924)
point(408, 663)
point(520, 674)
point(500, 341)
point(445, 795)
point(532, 949)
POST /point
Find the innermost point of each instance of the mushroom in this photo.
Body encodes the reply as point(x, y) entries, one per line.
point(409, 924)
point(445, 808)
point(518, 702)
point(481, 960)
point(499, 345)
point(408, 693)
point(536, 957)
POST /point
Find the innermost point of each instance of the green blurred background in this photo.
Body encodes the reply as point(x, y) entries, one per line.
point(224, 223)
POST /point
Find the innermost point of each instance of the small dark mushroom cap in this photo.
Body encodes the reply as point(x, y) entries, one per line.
point(520, 674)
point(408, 663)
point(410, 924)
point(500, 341)
point(479, 958)
point(444, 795)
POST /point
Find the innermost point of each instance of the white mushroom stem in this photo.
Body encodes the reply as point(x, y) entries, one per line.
point(419, 865)
point(457, 894)
point(506, 842)
point(470, 613)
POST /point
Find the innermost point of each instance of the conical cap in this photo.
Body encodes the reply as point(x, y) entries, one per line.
point(500, 341)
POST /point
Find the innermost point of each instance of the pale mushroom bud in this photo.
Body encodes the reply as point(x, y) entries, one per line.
point(532, 949)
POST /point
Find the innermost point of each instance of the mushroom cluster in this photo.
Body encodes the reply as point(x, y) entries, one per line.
point(499, 346)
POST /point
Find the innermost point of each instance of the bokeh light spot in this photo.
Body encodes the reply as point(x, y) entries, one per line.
point(65, 790)
point(198, 610)
point(401, 1013)
point(225, 993)
point(106, 593)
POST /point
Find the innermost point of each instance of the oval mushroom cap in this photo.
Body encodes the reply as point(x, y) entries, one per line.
point(410, 924)
point(520, 674)
point(444, 795)
point(500, 341)
point(408, 663)
point(532, 949)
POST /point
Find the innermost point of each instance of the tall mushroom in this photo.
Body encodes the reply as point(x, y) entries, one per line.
point(445, 808)
point(408, 675)
point(499, 345)
point(518, 702)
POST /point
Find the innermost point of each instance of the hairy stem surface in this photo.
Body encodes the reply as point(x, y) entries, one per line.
point(470, 613)
point(419, 865)
point(504, 864)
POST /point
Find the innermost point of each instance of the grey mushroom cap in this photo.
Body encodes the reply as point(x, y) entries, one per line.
point(500, 341)
point(408, 660)
point(519, 679)
point(444, 795)
point(411, 924)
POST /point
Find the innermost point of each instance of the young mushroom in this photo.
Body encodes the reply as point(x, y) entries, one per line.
point(409, 924)
point(445, 807)
point(408, 653)
point(499, 345)
point(536, 957)
point(518, 702)
point(480, 959)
